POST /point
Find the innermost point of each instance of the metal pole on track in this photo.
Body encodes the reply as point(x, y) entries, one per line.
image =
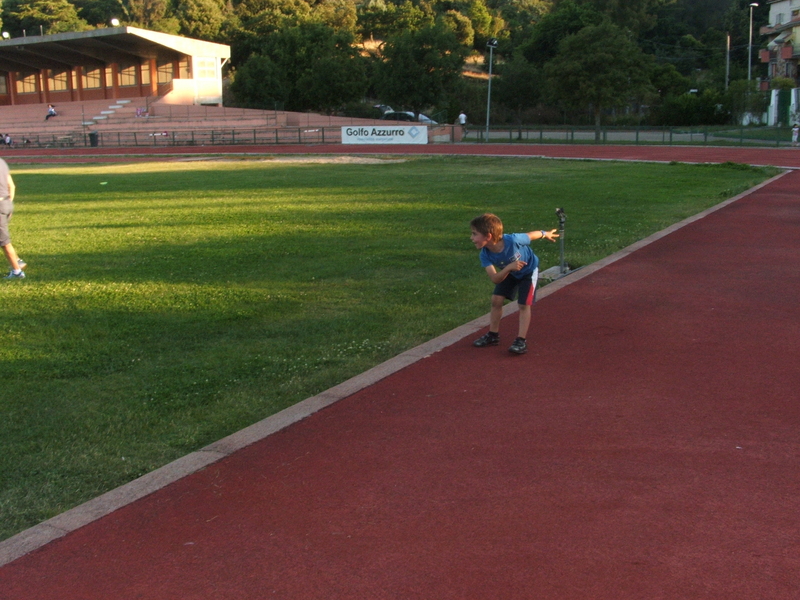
point(562, 268)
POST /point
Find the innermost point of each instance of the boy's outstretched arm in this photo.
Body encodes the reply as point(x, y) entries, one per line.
point(542, 234)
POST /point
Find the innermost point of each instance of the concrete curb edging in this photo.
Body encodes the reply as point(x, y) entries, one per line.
point(42, 534)
point(39, 535)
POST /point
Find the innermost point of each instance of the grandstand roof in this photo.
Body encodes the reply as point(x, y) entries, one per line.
point(100, 47)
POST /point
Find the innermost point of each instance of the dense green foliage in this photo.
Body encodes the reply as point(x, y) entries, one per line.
point(168, 305)
point(659, 62)
point(419, 67)
point(305, 54)
point(600, 65)
point(310, 66)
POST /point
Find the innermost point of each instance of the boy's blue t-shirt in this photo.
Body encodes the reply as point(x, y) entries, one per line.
point(517, 246)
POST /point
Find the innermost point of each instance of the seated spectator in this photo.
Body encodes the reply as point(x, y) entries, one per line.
point(51, 112)
point(7, 140)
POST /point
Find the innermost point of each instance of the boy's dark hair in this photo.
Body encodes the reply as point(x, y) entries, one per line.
point(488, 223)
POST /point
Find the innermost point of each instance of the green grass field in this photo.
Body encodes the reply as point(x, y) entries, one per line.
point(170, 304)
point(774, 135)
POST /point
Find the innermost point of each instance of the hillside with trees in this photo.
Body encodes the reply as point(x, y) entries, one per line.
point(556, 61)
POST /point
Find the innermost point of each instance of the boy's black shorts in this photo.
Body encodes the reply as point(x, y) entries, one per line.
point(510, 287)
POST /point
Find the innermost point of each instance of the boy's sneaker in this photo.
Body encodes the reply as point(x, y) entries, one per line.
point(519, 346)
point(12, 275)
point(487, 339)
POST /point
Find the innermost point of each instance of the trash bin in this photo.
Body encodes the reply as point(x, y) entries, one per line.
point(94, 138)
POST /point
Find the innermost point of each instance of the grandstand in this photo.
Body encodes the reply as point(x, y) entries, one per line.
point(153, 121)
point(142, 121)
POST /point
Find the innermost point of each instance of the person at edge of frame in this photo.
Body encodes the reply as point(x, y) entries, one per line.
point(7, 192)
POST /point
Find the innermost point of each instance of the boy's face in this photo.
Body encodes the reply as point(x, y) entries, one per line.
point(479, 239)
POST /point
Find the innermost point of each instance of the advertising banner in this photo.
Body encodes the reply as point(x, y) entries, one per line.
point(385, 134)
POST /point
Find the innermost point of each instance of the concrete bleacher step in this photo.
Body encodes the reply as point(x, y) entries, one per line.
point(28, 121)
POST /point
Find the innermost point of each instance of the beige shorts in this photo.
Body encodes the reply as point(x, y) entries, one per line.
point(6, 210)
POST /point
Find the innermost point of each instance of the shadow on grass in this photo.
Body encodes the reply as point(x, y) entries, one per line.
point(249, 177)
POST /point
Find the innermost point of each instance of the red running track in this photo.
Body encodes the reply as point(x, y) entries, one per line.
point(782, 157)
point(645, 448)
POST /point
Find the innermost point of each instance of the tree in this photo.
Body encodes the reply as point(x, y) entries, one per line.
point(636, 15)
point(201, 19)
point(259, 83)
point(372, 18)
point(409, 17)
point(100, 12)
point(743, 97)
point(460, 25)
point(567, 19)
point(519, 86)
point(339, 14)
point(419, 67)
point(668, 81)
point(382, 19)
point(599, 67)
point(706, 108)
point(700, 15)
point(153, 14)
point(267, 16)
point(254, 21)
point(52, 16)
point(308, 67)
point(521, 16)
point(482, 22)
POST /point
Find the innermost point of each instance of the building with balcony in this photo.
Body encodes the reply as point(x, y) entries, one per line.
point(782, 54)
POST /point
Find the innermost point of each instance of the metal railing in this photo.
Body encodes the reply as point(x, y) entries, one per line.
point(212, 136)
point(220, 136)
point(717, 135)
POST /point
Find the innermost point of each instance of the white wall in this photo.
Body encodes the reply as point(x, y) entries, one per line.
point(205, 87)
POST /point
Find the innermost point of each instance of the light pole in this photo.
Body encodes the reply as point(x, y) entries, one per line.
point(728, 61)
point(750, 45)
point(491, 45)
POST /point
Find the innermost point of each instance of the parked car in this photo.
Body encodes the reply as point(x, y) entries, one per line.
point(407, 115)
